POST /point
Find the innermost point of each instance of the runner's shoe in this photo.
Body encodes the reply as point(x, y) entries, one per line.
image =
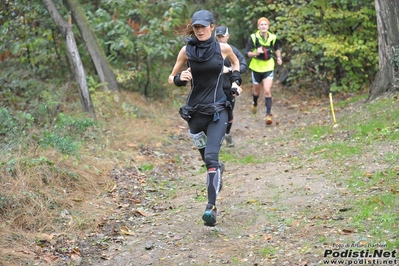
point(229, 141)
point(210, 214)
point(254, 109)
point(269, 120)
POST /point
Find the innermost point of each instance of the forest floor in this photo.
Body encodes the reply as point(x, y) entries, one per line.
point(282, 203)
point(275, 208)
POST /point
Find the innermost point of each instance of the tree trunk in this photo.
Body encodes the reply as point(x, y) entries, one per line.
point(97, 55)
point(73, 55)
point(387, 78)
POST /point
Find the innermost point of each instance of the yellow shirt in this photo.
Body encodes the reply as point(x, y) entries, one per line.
point(260, 65)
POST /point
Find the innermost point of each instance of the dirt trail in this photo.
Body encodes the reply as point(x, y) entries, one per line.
point(269, 212)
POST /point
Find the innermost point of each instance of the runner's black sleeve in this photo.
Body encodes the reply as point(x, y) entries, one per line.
point(235, 77)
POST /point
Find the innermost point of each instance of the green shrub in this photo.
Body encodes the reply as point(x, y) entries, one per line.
point(67, 134)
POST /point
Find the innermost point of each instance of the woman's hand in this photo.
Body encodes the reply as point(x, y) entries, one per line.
point(186, 75)
point(235, 89)
point(181, 78)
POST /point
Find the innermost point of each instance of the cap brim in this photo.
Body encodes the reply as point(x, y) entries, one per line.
point(201, 22)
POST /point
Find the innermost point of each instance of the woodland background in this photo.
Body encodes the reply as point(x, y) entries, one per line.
point(327, 45)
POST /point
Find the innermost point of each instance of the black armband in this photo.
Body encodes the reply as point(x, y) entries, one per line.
point(235, 77)
point(178, 82)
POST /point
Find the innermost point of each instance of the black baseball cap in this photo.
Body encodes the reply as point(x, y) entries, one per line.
point(202, 17)
point(222, 30)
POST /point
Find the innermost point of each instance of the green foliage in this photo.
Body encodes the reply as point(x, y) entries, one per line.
point(7, 122)
point(371, 209)
point(327, 45)
point(146, 167)
point(144, 47)
point(25, 163)
point(28, 98)
point(33, 39)
point(31, 36)
point(74, 125)
point(66, 134)
point(267, 252)
point(31, 114)
point(13, 128)
point(334, 43)
point(65, 144)
point(395, 65)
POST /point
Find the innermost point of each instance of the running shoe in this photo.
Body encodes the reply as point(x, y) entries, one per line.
point(229, 141)
point(210, 214)
point(269, 120)
point(254, 109)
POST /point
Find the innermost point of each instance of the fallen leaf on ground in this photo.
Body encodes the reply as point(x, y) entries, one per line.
point(127, 232)
point(347, 231)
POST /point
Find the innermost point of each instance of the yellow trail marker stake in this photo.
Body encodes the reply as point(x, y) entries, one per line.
point(332, 108)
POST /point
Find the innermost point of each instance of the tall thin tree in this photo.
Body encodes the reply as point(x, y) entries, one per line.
point(73, 56)
point(96, 52)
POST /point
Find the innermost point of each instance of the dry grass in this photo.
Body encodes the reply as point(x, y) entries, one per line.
point(45, 192)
